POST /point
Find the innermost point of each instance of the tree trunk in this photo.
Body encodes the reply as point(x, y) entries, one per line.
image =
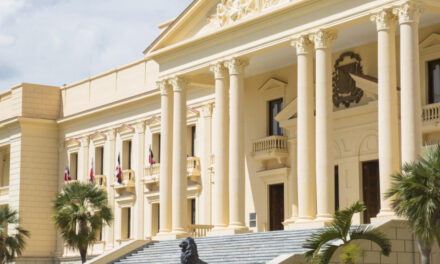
point(83, 252)
point(425, 252)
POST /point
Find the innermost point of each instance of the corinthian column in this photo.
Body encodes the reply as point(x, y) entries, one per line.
point(389, 160)
point(179, 199)
point(140, 163)
point(236, 144)
point(409, 14)
point(166, 150)
point(306, 131)
point(324, 125)
point(220, 193)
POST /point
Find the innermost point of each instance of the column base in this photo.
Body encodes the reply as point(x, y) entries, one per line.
point(308, 223)
point(289, 223)
point(236, 229)
point(385, 215)
point(324, 218)
point(170, 236)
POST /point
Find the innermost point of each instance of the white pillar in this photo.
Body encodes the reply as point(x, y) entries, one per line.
point(204, 139)
point(292, 182)
point(220, 191)
point(389, 159)
point(85, 160)
point(166, 150)
point(179, 197)
point(109, 169)
point(325, 179)
point(236, 145)
point(306, 132)
point(411, 120)
point(140, 163)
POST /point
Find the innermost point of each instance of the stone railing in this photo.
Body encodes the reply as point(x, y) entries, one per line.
point(270, 143)
point(128, 177)
point(431, 113)
point(100, 181)
point(152, 171)
point(199, 230)
point(193, 166)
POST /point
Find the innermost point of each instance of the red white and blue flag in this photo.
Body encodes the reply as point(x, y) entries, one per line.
point(67, 174)
point(91, 174)
point(151, 157)
point(118, 170)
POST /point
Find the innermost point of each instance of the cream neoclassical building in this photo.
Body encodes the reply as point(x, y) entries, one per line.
point(260, 114)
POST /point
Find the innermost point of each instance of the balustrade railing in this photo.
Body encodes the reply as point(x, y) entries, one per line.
point(100, 180)
point(152, 171)
point(192, 163)
point(431, 113)
point(199, 230)
point(270, 143)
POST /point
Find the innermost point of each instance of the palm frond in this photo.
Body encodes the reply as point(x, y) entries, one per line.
point(367, 232)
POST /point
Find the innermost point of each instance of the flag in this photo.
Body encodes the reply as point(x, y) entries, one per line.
point(118, 170)
point(91, 173)
point(151, 157)
point(67, 174)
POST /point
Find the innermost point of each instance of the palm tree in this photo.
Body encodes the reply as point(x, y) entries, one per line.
point(323, 244)
point(11, 245)
point(81, 210)
point(415, 196)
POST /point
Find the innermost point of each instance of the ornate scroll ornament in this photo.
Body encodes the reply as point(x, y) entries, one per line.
point(409, 12)
point(303, 45)
point(236, 66)
point(385, 20)
point(219, 70)
point(323, 38)
point(344, 87)
point(229, 11)
point(164, 87)
point(179, 83)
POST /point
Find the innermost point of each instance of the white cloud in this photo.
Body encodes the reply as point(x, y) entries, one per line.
point(55, 42)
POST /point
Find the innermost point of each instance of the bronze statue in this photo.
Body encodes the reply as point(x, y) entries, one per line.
point(189, 252)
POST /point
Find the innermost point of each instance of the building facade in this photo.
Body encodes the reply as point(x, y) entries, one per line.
point(243, 116)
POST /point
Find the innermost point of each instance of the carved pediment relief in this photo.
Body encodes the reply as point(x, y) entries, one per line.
point(230, 11)
point(126, 131)
point(73, 143)
point(98, 137)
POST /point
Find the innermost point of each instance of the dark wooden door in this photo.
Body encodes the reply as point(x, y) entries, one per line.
point(276, 206)
point(371, 191)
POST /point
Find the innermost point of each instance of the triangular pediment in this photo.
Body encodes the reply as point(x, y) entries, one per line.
point(98, 137)
point(204, 17)
point(73, 143)
point(432, 40)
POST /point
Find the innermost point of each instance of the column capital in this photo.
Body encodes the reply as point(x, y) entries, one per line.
point(164, 86)
point(207, 110)
point(385, 19)
point(323, 38)
point(219, 70)
point(85, 141)
point(179, 83)
point(140, 127)
point(236, 66)
point(303, 45)
point(409, 12)
point(111, 134)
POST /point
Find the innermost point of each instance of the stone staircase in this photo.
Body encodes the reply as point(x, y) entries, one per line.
point(241, 248)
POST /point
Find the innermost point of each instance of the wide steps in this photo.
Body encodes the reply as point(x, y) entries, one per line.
point(242, 248)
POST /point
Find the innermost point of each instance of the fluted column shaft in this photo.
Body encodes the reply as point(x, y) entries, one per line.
point(236, 144)
point(179, 212)
point(409, 14)
point(389, 160)
point(220, 190)
point(306, 131)
point(166, 151)
point(325, 187)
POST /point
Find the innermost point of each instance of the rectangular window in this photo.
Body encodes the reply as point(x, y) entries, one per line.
point(252, 219)
point(193, 211)
point(126, 155)
point(193, 141)
point(155, 147)
point(99, 161)
point(73, 166)
point(434, 81)
point(126, 223)
point(336, 188)
point(275, 106)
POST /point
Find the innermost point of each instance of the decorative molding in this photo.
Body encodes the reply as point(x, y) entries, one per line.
point(126, 131)
point(73, 143)
point(164, 87)
point(273, 89)
point(303, 45)
point(344, 87)
point(140, 127)
point(385, 20)
point(231, 11)
point(179, 83)
point(207, 110)
point(85, 141)
point(323, 38)
point(236, 66)
point(219, 70)
point(98, 138)
point(409, 12)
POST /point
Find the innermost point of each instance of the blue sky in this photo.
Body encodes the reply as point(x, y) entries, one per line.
point(58, 42)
